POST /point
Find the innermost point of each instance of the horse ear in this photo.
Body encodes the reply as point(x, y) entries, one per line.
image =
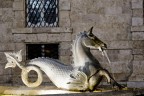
point(90, 31)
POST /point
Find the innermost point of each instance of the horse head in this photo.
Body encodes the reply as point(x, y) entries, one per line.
point(93, 42)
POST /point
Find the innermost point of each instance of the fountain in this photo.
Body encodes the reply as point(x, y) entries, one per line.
point(85, 74)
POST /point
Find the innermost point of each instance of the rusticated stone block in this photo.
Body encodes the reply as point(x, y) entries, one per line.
point(7, 15)
point(6, 79)
point(16, 80)
point(65, 45)
point(1, 11)
point(138, 67)
point(138, 36)
point(138, 51)
point(31, 38)
point(18, 23)
point(137, 4)
point(19, 15)
point(137, 12)
point(138, 57)
point(137, 21)
point(19, 37)
point(65, 53)
point(19, 46)
point(64, 19)
point(65, 59)
point(137, 44)
point(137, 28)
point(65, 37)
point(53, 30)
point(25, 38)
point(18, 5)
point(22, 30)
point(119, 44)
point(113, 10)
point(6, 3)
point(135, 84)
point(64, 5)
point(7, 46)
point(42, 37)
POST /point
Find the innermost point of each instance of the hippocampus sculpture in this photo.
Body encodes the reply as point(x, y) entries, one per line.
point(84, 74)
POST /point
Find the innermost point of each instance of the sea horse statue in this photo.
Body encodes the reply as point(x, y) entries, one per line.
point(84, 74)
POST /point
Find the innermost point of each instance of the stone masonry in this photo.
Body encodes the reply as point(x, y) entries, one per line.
point(119, 23)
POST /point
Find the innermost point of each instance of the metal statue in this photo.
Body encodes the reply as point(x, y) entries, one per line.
point(84, 74)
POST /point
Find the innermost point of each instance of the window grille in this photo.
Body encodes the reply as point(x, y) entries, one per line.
point(42, 50)
point(42, 13)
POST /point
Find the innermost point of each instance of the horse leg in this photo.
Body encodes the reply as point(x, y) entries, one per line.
point(94, 81)
point(105, 73)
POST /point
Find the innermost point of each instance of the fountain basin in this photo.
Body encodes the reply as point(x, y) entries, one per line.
point(53, 91)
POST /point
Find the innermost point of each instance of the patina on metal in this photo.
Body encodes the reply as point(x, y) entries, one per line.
point(84, 74)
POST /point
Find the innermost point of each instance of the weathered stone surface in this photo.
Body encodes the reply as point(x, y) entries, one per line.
point(64, 17)
point(137, 21)
point(65, 45)
point(42, 37)
point(138, 67)
point(64, 5)
point(19, 37)
point(137, 4)
point(19, 46)
point(18, 23)
point(65, 59)
point(138, 44)
point(19, 15)
point(7, 46)
point(65, 37)
point(6, 3)
point(6, 79)
point(119, 44)
point(138, 57)
point(138, 36)
point(113, 10)
point(137, 12)
point(137, 28)
point(52, 30)
point(138, 51)
point(135, 84)
point(18, 5)
point(22, 30)
point(7, 15)
point(65, 52)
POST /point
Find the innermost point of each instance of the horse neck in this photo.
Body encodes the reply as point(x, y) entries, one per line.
point(81, 54)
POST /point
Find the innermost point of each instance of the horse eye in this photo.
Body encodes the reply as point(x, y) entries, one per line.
point(92, 37)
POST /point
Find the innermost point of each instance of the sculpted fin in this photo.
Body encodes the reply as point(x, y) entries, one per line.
point(11, 61)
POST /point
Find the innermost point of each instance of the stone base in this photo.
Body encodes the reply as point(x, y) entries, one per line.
point(135, 84)
point(52, 91)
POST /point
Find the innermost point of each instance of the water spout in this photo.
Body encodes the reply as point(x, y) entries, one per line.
point(106, 55)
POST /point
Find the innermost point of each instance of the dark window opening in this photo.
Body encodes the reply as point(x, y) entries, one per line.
point(42, 13)
point(42, 50)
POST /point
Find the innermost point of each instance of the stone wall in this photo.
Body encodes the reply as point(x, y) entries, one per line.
point(112, 22)
point(119, 23)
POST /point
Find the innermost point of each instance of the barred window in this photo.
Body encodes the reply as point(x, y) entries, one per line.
point(42, 13)
point(42, 50)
